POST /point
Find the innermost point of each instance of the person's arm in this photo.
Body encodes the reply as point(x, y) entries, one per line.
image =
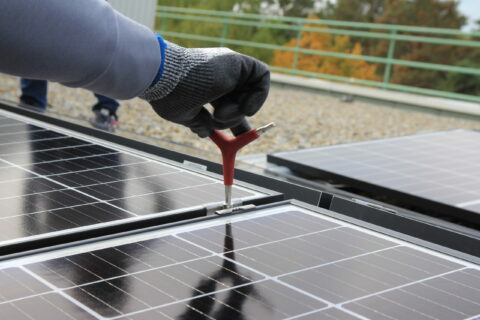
point(87, 44)
point(81, 43)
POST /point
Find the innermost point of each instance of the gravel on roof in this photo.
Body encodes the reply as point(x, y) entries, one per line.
point(304, 119)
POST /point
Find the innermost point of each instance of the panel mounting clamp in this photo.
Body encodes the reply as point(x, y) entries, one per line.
point(221, 209)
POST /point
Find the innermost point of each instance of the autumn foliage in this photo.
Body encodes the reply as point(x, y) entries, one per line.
point(321, 41)
point(421, 13)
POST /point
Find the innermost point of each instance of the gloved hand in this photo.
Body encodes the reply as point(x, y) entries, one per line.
point(234, 84)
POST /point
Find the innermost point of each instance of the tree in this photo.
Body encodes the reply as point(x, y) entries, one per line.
point(357, 10)
point(358, 69)
point(464, 83)
point(251, 33)
point(262, 36)
point(294, 8)
point(428, 13)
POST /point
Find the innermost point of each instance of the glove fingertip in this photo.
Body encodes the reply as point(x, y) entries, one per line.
point(203, 133)
point(253, 101)
point(201, 124)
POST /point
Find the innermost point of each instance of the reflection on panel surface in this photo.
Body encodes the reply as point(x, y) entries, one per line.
point(51, 182)
point(285, 265)
point(443, 167)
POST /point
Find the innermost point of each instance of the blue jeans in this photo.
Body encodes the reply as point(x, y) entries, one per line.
point(34, 92)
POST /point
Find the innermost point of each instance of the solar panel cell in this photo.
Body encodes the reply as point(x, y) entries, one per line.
point(443, 167)
point(146, 185)
point(240, 303)
point(451, 296)
point(121, 260)
point(329, 314)
point(8, 173)
point(365, 275)
point(330, 271)
point(51, 182)
point(52, 144)
point(8, 122)
point(18, 127)
point(29, 136)
point(175, 199)
point(173, 283)
point(10, 189)
point(56, 155)
point(49, 306)
point(40, 202)
point(93, 162)
point(16, 284)
point(26, 225)
point(302, 253)
point(111, 174)
point(258, 231)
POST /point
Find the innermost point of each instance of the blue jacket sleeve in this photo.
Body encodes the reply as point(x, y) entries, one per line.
point(81, 43)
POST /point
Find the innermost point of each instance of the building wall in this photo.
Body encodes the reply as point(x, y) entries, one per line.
point(142, 11)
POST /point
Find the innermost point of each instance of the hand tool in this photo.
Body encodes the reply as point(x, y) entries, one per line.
point(229, 148)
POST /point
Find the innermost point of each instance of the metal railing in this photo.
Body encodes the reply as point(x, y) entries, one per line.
point(392, 33)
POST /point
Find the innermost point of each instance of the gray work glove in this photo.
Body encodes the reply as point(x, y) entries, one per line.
point(234, 84)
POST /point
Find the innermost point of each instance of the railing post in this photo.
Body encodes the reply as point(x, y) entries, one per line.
point(390, 55)
point(226, 20)
point(163, 23)
point(297, 46)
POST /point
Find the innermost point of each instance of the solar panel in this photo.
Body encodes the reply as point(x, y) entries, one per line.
point(284, 262)
point(53, 183)
point(437, 170)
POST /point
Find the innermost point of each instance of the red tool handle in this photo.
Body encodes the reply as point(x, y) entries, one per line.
point(229, 147)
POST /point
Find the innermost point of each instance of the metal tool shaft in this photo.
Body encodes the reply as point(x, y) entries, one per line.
point(229, 147)
point(265, 128)
point(228, 197)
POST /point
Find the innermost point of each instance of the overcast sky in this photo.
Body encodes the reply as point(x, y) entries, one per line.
point(471, 9)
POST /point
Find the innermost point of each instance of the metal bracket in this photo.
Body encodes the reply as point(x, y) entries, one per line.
point(195, 165)
point(219, 208)
point(231, 210)
point(374, 205)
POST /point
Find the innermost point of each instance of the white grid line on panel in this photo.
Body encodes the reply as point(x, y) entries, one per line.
point(66, 187)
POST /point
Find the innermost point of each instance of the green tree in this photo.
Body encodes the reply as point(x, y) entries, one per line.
point(428, 13)
point(357, 10)
point(223, 5)
point(464, 83)
point(294, 8)
point(193, 27)
point(251, 33)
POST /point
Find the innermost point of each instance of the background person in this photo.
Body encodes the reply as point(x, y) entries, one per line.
point(34, 97)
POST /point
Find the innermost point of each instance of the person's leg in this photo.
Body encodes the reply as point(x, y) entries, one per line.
point(105, 113)
point(34, 93)
point(106, 102)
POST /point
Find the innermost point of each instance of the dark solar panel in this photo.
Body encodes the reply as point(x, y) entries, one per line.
point(47, 306)
point(51, 182)
point(441, 168)
point(279, 263)
point(18, 128)
point(6, 122)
